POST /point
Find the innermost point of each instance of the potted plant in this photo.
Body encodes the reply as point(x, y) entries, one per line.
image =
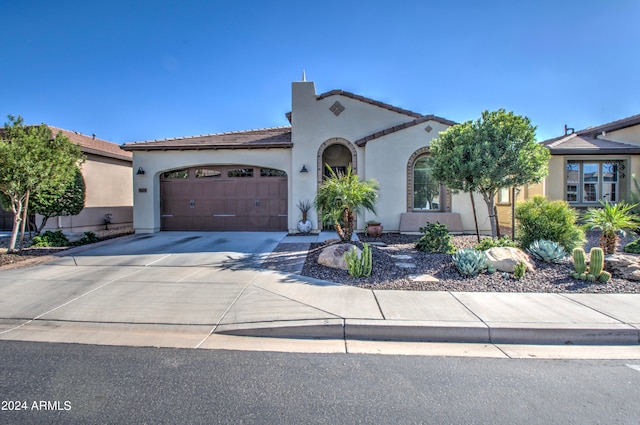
point(374, 228)
point(304, 225)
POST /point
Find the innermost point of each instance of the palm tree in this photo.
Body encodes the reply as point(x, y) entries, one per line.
point(611, 219)
point(342, 196)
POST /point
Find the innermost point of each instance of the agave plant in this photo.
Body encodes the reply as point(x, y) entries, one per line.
point(611, 219)
point(547, 251)
point(469, 261)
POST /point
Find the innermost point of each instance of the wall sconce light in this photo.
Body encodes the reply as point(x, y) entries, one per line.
point(140, 171)
point(304, 169)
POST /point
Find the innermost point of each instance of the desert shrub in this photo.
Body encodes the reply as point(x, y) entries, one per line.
point(547, 251)
point(359, 265)
point(470, 262)
point(435, 238)
point(633, 247)
point(519, 270)
point(539, 218)
point(488, 243)
point(50, 239)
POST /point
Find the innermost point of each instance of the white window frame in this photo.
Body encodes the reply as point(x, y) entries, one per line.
point(580, 185)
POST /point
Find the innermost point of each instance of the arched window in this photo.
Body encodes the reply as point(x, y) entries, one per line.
point(426, 190)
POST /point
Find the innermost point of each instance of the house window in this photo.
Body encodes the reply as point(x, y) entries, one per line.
point(592, 181)
point(426, 190)
point(203, 173)
point(503, 195)
point(270, 172)
point(240, 172)
point(176, 174)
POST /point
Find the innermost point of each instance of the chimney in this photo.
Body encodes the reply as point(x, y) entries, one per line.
point(568, 130)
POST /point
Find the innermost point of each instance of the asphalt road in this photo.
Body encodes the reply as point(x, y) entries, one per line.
point(66, 383)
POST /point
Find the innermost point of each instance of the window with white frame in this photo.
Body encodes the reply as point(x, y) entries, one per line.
point(592, 181)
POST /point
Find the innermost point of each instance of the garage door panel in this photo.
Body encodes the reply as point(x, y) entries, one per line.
point(237, 203)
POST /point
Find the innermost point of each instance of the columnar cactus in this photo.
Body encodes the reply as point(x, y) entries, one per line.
point(596, 266)
point(359, 265)
point(597, 261)
point(579, 261)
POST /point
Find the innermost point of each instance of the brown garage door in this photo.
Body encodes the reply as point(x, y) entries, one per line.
point(224, 198)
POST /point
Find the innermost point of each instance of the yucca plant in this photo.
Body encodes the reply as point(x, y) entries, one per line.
point(611, 219)
point(342, 196)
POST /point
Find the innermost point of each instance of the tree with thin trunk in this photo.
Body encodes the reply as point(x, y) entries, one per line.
point(66, 199)
point(341, 197)
point(497, 150)
point(32, 160)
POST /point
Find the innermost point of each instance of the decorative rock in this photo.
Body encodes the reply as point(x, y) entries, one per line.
point(402, 257)
point(626, 266)
point(504, 258)
point(333, 255)
point(406, 265)
point(424, 278)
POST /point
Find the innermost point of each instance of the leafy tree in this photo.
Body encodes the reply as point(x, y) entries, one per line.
point(67, 199)
point(342, 196)
point(497, 150)
point(611, 219)
point(32, 160)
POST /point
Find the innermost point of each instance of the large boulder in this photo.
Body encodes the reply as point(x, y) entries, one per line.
point(333, 255)
point(625, 266)
point(504, 258)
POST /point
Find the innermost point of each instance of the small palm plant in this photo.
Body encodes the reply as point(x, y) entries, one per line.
point(611, 219)
point(342, 196)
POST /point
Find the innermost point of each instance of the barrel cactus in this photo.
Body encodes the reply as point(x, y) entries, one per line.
point(547, 251)
point(469, 261)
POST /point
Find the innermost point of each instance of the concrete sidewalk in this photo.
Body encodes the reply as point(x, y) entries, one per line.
point(170, 301)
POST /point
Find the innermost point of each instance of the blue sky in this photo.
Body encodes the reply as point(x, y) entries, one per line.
point(142, 70)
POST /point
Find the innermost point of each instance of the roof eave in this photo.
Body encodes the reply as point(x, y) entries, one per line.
point(132, 148)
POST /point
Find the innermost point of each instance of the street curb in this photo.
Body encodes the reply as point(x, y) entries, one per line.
point(455, 332)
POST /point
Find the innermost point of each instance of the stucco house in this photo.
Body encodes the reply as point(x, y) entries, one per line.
point(108, 182)
point(253, 180)
point(586, 166)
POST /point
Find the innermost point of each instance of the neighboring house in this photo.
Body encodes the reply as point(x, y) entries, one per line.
point(587, 166)
point(108, 181)
point(252, 180)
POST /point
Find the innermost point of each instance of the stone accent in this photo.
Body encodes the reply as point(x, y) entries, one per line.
point(626, 266)
point(423, 278)
point(406, 265)
point(402, 257)
point(337, 108)
point(333, 255)
point(505, 258)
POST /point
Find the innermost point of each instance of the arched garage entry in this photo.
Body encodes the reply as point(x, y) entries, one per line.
point(229, 197)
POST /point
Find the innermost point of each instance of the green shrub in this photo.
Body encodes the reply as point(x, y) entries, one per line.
point(49, 239)
point(470, 261)
point(488, 243)
point(633, 247)
point(359, 265)
point(89, 237)
point(555, 221)
point(547, 251)
point(435, 238)
point(519, 270)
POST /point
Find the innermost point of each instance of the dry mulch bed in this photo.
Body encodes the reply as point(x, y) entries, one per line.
point(550, 278)
point(29, 254)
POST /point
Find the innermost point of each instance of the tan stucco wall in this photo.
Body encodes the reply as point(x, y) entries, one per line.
point(629, 135)
point(146, 215)
point(108, 186)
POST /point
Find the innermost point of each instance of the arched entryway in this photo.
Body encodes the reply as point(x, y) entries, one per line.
point(338, 154)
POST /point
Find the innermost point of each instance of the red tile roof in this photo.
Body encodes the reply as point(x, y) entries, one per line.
point(587, 142)
point(90, 144)
point(425, 118)
point(276, 137)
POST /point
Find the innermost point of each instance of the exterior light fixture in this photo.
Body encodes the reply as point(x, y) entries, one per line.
point(302, 170)
point(140, 171)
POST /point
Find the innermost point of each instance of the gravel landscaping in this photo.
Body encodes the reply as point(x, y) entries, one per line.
point(29, 255)
point(386, 274)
